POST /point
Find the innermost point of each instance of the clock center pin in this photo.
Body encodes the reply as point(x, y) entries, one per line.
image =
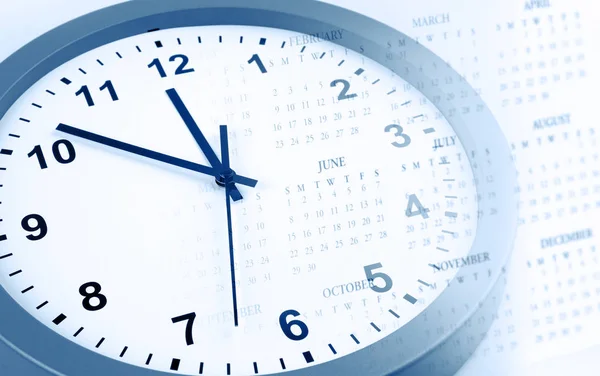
point(224, 176)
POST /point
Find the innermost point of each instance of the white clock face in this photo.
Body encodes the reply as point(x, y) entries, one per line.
point(364, 206)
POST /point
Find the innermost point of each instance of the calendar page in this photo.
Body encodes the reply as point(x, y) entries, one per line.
point(536, 65)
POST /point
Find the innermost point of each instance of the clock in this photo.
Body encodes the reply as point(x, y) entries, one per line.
point(240, 188)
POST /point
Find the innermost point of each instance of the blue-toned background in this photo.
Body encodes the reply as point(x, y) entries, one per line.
point(513, 50)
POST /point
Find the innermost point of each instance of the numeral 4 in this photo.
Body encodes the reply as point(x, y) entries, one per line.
point(413, 202)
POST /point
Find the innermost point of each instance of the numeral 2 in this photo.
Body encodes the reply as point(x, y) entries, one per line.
point(344, 93)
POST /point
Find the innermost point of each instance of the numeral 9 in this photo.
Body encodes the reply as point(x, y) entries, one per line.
point(40, 225)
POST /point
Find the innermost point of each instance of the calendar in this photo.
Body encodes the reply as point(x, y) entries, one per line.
point(536, 65)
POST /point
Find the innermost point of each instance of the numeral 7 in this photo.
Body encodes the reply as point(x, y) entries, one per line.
point(190, 317)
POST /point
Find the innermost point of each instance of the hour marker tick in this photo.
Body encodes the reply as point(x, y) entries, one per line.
point(201, 370)
point(100, 62)
point(50, 92)
point(303, 48)
point(123, 352)
point(36, 105)
point(374, 82)
point(158, 44)
point(322, 55)
point(65, 81)
point(405, 103)
point(359, 71)
point(423, 283)
point(391, 92)
point(3, 237)
point(42, 305)
point(6, 151)
point(332, 349)
point(220, 39)
point(451, 214)
point(409, 298)
point(5, 256)
point(428, 130)
point(394, 314)
point(229, 368)
point(138, 48)
point(283, 44)
point(78, 331)
point(282, 363)
point(355, 339)
point(82, 71)
point(175, 364)
point(25, 120)
point(442, 249)
point(262, 41)
point(149, 359)
point(255, 367)
point(60, 318)
point(308, 357)
point(435, 266)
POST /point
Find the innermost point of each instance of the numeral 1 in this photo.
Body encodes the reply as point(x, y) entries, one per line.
point(256, 59)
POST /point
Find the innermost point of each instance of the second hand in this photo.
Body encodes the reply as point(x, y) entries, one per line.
point(228, 180)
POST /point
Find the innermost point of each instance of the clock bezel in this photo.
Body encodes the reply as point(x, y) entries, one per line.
point(54, 353)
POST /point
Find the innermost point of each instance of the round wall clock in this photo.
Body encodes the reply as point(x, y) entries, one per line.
point(246, 187)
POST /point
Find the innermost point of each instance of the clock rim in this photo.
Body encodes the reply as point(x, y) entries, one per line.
point(34, 341)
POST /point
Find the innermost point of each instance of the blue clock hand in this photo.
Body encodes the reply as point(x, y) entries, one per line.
point(228, 175)
point(151, 154)
point(199, 137)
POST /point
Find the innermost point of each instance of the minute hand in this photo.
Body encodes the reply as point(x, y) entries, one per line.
point(199, 137)
point(150, 154)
